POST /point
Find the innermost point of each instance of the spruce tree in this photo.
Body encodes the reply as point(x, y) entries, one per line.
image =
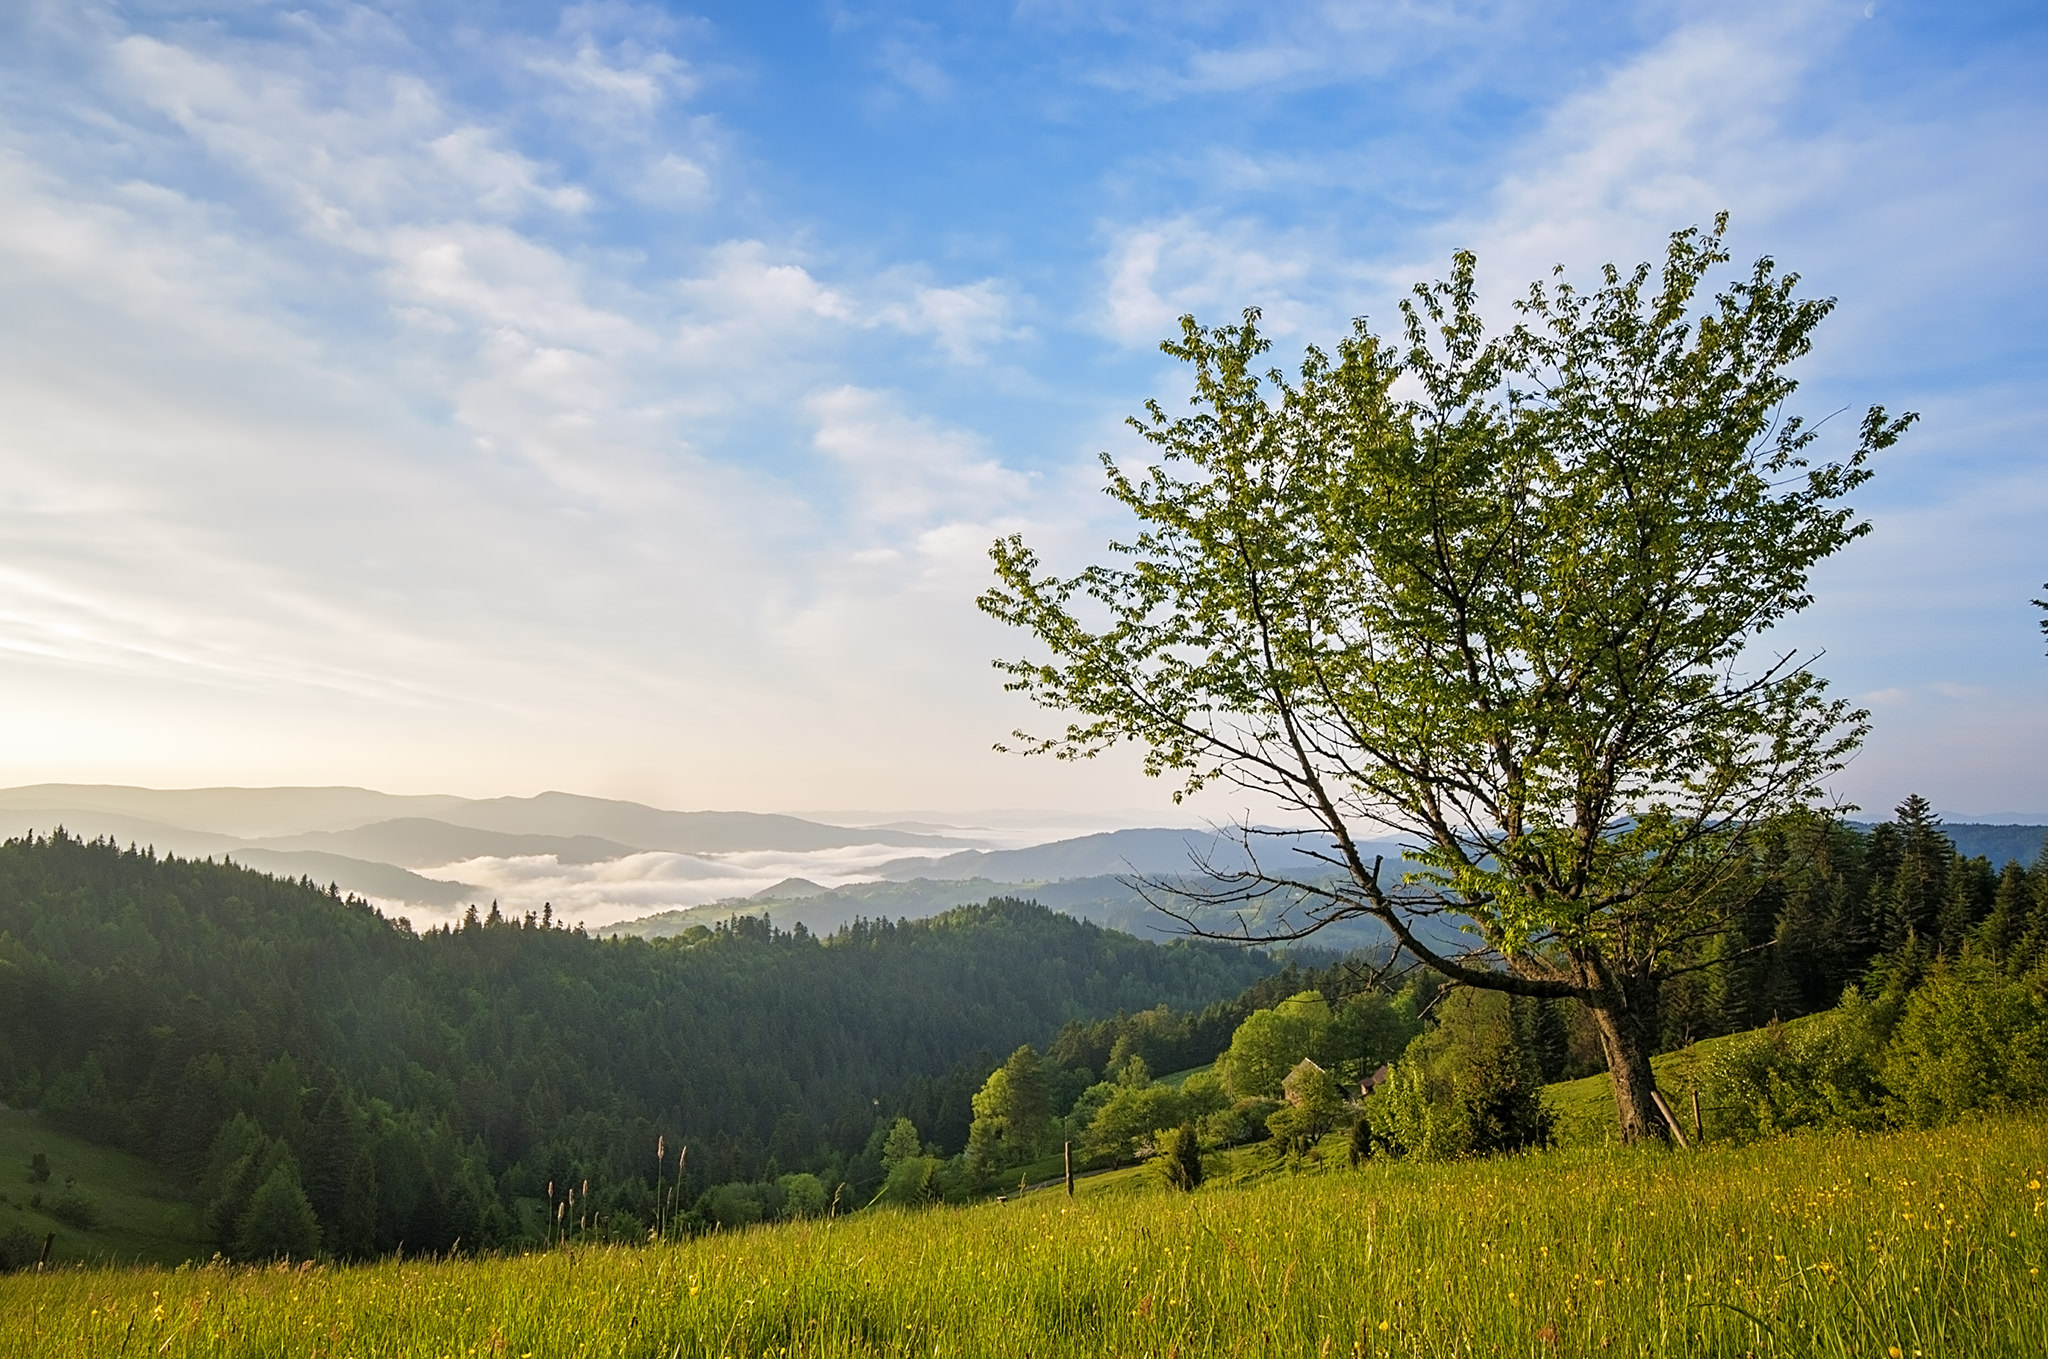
point(279, 1223)
point(1502, 1093)
point(1965, 901)
point(1914, 897)
point(2011, 907)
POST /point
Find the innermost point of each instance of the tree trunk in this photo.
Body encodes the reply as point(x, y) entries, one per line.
point(1627, 1038)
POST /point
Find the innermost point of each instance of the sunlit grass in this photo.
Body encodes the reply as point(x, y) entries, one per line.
point(141, 1217)
point(1927, 1243)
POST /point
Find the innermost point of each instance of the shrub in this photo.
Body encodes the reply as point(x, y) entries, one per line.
point(74, 1209)
point(1204, 1094)
point(1465, 1088)
point(18, 1249)
point(279, 1223)
point(1970, 1038)
point(1180, 1155)
point(1502, 1094)
point(1820, 1072)
point(1412, 1115)
point(1361, 1147)
point(733, 1205)
point(803, 1195)
point(1244, 1121)
point(1124, 1126)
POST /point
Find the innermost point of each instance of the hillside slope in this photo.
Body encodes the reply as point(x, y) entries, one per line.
point(151, 1003)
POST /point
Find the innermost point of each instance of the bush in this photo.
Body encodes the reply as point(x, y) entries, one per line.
point(74, 1209)
point(1126, 1125)
point(279, 1223)
point(803, 1195)
point(733, 1205)
point(914, 1180)
point(1502, 1094)
point(1244, 1121)
point(1203, 1094)
point(1180, 1156)
point(1362, 1146)
point(1970, 1038)
point(1466, 1088)
point(1409, 1115)
point(1820, 1072)
point(18, 1249)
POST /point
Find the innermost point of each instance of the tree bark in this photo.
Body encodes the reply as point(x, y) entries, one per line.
point(1628, 1028)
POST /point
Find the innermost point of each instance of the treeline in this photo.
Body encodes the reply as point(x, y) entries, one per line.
point(1924, 972)
point(1918, 975)
point(321, 1076)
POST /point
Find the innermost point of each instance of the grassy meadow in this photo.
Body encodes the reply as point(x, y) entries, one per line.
point(1584, 1109)
point(137, 1215)
point(1908, 1244)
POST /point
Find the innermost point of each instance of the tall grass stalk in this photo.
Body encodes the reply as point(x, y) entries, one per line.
point(1909, 1244)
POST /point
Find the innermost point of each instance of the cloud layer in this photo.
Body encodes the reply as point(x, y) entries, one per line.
point(603, 398)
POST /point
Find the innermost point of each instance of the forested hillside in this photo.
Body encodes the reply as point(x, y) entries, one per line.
point(285, 1049)
point(325, 1081)
point(1931, 966)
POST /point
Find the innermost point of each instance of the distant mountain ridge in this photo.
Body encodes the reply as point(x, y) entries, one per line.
point(1145, 852)
point(422, 842)
point(1998, 843)
point(370, 843)
point(252, 814)
point(243, 813)
point(678, 832)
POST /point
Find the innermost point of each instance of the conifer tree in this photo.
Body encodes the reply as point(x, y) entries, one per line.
point(1913, 898)
point(1966, 900)
point(279, 1222)
point(2011, 909)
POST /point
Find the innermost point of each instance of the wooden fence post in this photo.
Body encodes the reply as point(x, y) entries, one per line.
point(1068, 1154)
point(1670, 1119)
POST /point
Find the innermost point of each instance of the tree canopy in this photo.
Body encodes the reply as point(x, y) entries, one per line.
point(1502, 593)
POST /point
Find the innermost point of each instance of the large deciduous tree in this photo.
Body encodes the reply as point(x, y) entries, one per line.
point(1502, 593)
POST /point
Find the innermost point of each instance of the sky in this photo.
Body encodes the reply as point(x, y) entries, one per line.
point(492, 397)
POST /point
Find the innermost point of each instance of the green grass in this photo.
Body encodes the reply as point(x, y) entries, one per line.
point(140, 1217)
point(1585, 1108)
point(1930, 1242)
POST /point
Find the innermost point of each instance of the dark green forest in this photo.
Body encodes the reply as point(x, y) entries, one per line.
point(325, 1081)
point(282, 1048)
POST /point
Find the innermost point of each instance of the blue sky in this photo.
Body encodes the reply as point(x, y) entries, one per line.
point(493, 397)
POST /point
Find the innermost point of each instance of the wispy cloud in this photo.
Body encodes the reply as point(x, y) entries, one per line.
point(905, 468)
point(627, 400)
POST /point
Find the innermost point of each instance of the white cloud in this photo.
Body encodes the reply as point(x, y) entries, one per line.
point(909, 64)
point(347, 159)
point(1206, 50)
point(676, 180)
point(1159, 271)
point(641, 884)
point(965, 320)
point(382, 398)
point(907, 469)
point(629, 85)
